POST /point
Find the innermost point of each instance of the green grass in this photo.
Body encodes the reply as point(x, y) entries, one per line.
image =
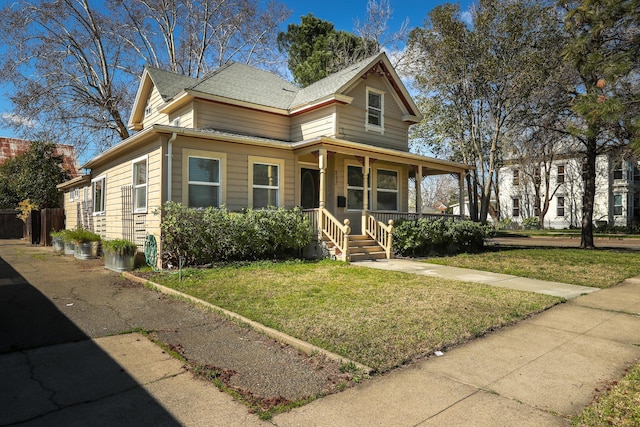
point(596, 268)
point(619, 406)
point(378, 318)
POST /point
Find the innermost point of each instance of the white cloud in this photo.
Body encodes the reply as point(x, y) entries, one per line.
point(467, 17)
point(16, 120)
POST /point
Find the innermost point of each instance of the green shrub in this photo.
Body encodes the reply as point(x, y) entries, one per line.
point(119, 246)
point(204, 236)
point(65, 235)
point(83, 236)
point(531, 223)
point(425, 237)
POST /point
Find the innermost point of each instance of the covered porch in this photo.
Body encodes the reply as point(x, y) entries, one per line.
point(353, 193)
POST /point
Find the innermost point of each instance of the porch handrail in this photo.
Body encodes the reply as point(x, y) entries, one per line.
point(337, 233)
point(382, 233)
point(385, 216)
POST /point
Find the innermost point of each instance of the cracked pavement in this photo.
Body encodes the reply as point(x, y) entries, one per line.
point(63, 325)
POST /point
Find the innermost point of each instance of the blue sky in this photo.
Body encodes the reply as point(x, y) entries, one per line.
point(343, 14)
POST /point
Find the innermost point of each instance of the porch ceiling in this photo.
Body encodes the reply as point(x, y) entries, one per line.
point(430, 166)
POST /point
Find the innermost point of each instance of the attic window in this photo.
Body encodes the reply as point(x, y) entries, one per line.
point(147, 110)
point(375, 110)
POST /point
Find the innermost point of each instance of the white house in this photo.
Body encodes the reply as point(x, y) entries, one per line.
point(617, 199)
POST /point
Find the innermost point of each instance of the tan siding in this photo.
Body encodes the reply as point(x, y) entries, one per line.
point(237, 169)
point(321, 122)
point(351, 118)
point(120, 174)
point(155, 99)
point(242, 120)
point(186, 116)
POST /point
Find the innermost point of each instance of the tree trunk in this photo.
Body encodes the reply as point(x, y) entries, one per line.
point(586, 240)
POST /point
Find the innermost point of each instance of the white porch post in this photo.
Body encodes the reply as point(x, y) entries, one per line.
point(461, 177)
point(419, 191)
point(322, 165)
point(365, 195)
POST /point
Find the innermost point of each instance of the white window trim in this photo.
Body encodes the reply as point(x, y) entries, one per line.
point(347, 187)
point(563, 174)
point(563, 206)
point(221, 157)
point(385, 190)
point(104, 195)
point(621, 205)
point(266, 161)
point(367, 125)
point(141, 159)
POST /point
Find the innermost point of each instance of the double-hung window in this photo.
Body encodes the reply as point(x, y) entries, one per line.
point(375, 110)
point(355, 187)
point(560, 174)
point(265, 182)
point(516, 208)
point(140, 181)
point(387, 190)
point(560, 206)
point(617, 204)
point(203, 182)
point(516, 177)
point(98, 189)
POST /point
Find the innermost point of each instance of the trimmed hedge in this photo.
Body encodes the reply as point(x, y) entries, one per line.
point(425, 237)
point(205, 236)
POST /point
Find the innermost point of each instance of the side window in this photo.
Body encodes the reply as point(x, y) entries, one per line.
point(203, 182)
point(560, 206)
point(516, 177)
point(387, 190)
point(560, 174)
point(516, 208)
point(617, 204)
point(140, 184)
point(266, 185)
point(375, 110)
point(98, 190)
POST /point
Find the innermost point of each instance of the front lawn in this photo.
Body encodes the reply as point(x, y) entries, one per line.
point(378, 318)
point(620, 406)
point(597, 268)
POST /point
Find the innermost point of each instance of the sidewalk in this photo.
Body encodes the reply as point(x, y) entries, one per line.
point(494, 279)
point(60, 365)
point(540, 372)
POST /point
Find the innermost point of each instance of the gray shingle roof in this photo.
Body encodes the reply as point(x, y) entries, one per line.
point(249, 84)
point(169, 84)
point(332, 83)
point(246, 83)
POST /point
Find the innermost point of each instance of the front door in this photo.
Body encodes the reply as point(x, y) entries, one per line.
point(309, 188)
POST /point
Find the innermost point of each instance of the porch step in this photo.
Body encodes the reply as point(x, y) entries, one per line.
point(362, 248)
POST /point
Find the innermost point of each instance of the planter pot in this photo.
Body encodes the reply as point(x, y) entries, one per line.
point(58, 244)
point(69, 248)
point(87, 250)
point(119, 262)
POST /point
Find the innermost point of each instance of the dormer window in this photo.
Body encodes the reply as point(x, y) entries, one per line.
point(375, 110)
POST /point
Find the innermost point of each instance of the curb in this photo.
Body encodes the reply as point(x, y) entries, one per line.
point(296, 343)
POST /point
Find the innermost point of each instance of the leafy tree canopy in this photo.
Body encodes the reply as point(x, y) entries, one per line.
point(316, 49)
point(32, 175)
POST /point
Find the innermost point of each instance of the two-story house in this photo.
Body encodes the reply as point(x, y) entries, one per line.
point(617, 199)
point(245, 138)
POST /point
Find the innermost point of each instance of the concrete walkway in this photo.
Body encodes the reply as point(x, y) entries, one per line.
point(494, 279)
point(539, 372)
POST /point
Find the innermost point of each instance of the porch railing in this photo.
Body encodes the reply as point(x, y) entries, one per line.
point(385, 216)
point(382, 233)
point(337, 233)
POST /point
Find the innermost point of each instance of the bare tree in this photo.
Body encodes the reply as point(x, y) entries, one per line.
point(72, 65)
point(63, 70)
point(375, 30)
point(195, 37)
